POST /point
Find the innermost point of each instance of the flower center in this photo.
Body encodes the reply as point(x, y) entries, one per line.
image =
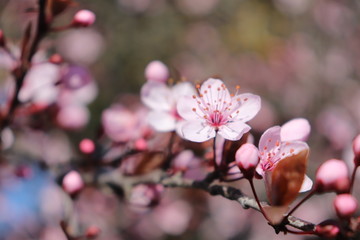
point(214, 104)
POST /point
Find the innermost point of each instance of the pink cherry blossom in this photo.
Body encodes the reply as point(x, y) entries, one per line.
point(273, 149)
point(162, 100)
point(345, 205)
point(214, 110)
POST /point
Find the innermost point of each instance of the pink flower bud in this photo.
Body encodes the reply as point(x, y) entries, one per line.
point(92, 232)
point(356, 149)
point(87, 146)
point(56, 59)
point(332, 175)
point(141, 144)
point(72, 182)
point(83, 18)
point(247, 158)
point(328, 229)
point(156, 71)
point(345, 205)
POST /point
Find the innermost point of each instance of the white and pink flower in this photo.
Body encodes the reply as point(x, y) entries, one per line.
point(278, 143)
point(162, 101)
point(214, 111)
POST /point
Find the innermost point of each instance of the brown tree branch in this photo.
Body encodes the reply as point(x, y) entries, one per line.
point(231, 193)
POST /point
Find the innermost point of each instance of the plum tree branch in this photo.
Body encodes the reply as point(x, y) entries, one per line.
point(208, 185)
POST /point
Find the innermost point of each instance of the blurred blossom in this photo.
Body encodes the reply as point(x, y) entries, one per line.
point(226, 218)
point(74, 77)
point(7, 138)
point(73, 116)
point(53, 233)
point(6, 62)
point(118, 123)
point(337, 66)
point(81, 46)
point(146, 195)
point(52, 147)
point(82, 96)
point(188, 163)
point(162, 101)
point(121, 124)
point(202, 37)
point(332, 17)
point(292, 7)
point(173, 218)
point(39, 85)
point(136, 5)
point(336, 125)
point(198, 7)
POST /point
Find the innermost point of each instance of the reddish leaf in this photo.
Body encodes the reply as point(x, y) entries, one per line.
point(287, 178)
point(149, 162)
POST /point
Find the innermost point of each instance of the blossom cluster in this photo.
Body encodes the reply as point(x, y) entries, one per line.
point(177, 133)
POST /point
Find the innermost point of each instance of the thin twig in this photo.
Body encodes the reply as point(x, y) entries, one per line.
point(160, 177)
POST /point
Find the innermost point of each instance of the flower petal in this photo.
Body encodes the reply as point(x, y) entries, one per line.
point(185, 107)
point(215, 93)
point(296, 129)
point(270, 139)
point(291, 148)
point(248, 105)
point(306, 185)
point(161, 121)
point(182, 89)
point(234, 130)
point(197, 131)
point(157, 96)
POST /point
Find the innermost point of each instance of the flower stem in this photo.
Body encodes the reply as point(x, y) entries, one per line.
point(353, 175)
point(257, 199)
point(214, 151)
point(301, 202)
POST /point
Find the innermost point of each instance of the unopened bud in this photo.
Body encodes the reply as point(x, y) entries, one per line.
point(156, 71)
point(328, 229)
point(247, 158)
point(141, 144)
point(72, 182)
point(87, 146)
point(332, 175)
point(56, 59)
point(345, 205)
point(92, 232)
point(356, 149)
point(83, 18)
